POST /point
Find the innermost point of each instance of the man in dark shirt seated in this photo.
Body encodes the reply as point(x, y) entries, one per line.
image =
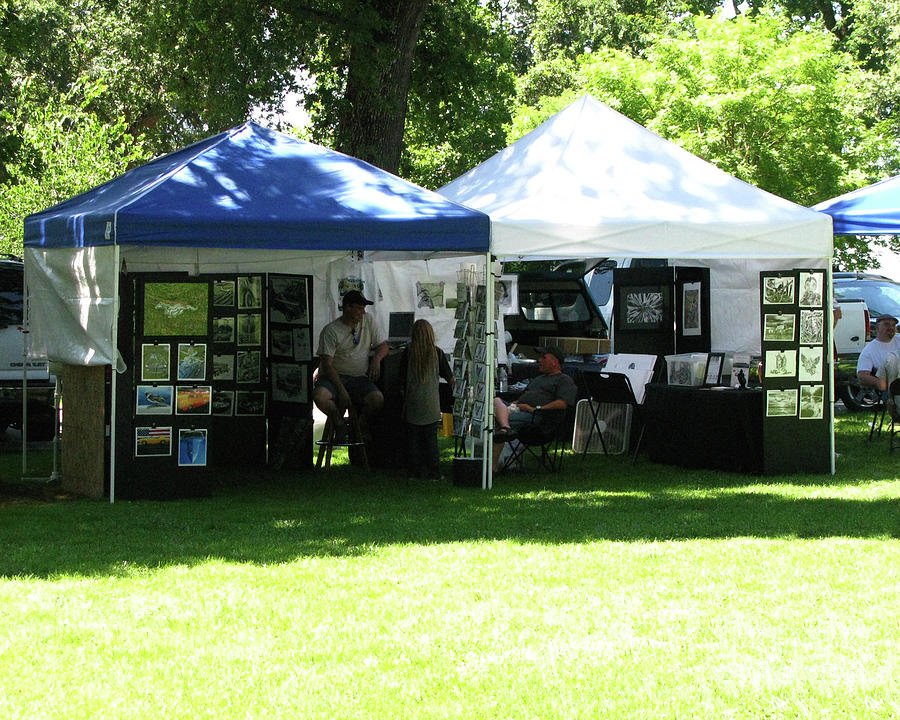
point(551, 390)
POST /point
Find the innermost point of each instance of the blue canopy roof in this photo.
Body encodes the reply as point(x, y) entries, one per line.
point(251, 187)
point(872, 210)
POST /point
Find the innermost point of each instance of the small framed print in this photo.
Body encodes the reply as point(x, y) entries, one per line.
point(811, 289)
point(247, 369)
point(480, 352)
point(459, 350)
point(780, 364)
point(810, 368)
point(250, 402)
point(153, 400)
point(459, 406)
point(191, 361)
point(249, 329)
point(223, 402)
point(196, 400)
point(249, 290)
point(302, 349)
point(282, 342)
point(479, 332)
point(288, 300)
point(223, 293)
point(155, 362)
point(781, 403)
point(192, 447)
point(778, 290)
point(812, 326)
point(223, 367)
point(478, 410)
point(289, 383)
point(459, 369)
point(779, 327)
point(459, 389)
point(480, 372)
point(152, 441)
point(462, 329)
point(714, 369)
point(812, 402)
point(462, 310)
point(223, 329)
point(642, 308)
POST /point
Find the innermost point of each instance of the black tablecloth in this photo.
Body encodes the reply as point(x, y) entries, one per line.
point(704, 428)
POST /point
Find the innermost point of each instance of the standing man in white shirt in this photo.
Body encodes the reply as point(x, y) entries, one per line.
point(346, 372)
point(876, 352)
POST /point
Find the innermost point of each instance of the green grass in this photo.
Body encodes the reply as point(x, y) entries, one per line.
point(609, 592)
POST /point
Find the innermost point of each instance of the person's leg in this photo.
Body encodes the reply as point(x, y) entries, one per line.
point(430, 453)
point(501, 414)
point(324, 396)
point(416, 448)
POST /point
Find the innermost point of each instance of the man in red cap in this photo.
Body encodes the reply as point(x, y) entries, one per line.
point(346, 372)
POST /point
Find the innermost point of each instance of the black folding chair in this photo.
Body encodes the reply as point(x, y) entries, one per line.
point(891, 403)
point(545, 438)
point(611, 387)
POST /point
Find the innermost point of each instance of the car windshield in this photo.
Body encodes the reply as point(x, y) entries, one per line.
point(881, 297)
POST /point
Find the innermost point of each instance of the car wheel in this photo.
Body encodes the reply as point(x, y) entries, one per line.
point(856, 397)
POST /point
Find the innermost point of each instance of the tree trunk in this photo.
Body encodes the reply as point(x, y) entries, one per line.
point(373, 115)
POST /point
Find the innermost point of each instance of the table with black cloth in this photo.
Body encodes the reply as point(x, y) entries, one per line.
point(704, 428)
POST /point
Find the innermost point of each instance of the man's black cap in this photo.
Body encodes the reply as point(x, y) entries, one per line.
point(354, 297)
point(555, 351)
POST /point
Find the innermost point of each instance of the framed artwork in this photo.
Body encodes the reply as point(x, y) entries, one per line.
point(247, 369)
point(810, 368)
point(196, 400)
point(282, 344)
point(192, 447)
point(714, 363)
point(302, 347)
point(642, 308)
point(780, 364)
point(506, 291)
point(155, 361)
point(176, 308)
point(288, 303)
point(223, 293)
point(249, 329)
point(779, 327)
point(223, 402)
point(778, 290)
point(690, 309)
point(152, 441)
point(429, 294)
point(223, 329)
point(153, 400)
point(781, 403)
point(811, 284)
point(812, 326)
point(191, 361)
point(812, 402)
point(250, 402)
point(223, 367)
point(289, 383)
point(249, 292)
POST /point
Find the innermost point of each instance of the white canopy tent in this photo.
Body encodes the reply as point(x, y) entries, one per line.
point(591, 183)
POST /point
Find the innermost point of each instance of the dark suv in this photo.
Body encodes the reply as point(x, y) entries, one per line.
point(882, 296)
point(12, 361)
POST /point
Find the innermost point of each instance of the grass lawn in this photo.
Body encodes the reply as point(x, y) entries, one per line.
point(611, 591)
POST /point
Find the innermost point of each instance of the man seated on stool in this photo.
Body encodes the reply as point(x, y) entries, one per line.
point(551, 390)
point(876, 352)
point(346, 373)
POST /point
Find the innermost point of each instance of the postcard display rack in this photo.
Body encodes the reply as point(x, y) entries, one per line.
point(795, 332)
point(212, 360)
point(470, 365)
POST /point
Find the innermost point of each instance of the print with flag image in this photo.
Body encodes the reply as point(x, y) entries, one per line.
point(152, 441)
point(192, 447)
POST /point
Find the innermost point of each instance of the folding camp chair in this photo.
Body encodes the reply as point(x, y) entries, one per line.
point(545, 438)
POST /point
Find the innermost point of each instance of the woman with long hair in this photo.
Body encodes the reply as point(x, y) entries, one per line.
point(422, 366)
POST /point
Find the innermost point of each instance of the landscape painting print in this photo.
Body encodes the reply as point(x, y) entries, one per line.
point(152, 441)
point(176, 308)
point(779, 327)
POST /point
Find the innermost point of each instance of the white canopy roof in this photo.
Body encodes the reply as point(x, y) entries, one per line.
point(590, 182)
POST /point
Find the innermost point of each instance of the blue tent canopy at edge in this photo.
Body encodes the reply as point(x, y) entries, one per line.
point(251, 187)
point(871, 210)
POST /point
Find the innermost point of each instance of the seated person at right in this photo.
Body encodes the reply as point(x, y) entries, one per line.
point(875, 353)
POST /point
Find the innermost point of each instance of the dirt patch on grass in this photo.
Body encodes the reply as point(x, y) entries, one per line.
point(32, 494)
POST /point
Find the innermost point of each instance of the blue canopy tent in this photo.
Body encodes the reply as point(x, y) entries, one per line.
point(871, 210)
point(246, 200)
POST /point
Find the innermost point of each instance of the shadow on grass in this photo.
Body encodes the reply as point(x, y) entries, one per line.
point(277, 517)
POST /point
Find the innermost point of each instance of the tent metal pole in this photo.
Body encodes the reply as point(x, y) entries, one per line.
point(490, 323)
point(829, 334)
point(112, 376)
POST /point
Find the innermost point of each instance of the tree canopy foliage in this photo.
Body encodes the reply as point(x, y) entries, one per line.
point(797, 97)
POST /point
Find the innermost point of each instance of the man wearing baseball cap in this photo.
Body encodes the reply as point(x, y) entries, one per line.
point(346, 372)
point(551, 390)
point(874, 354)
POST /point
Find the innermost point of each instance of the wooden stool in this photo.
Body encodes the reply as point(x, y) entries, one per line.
point(354, 442)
